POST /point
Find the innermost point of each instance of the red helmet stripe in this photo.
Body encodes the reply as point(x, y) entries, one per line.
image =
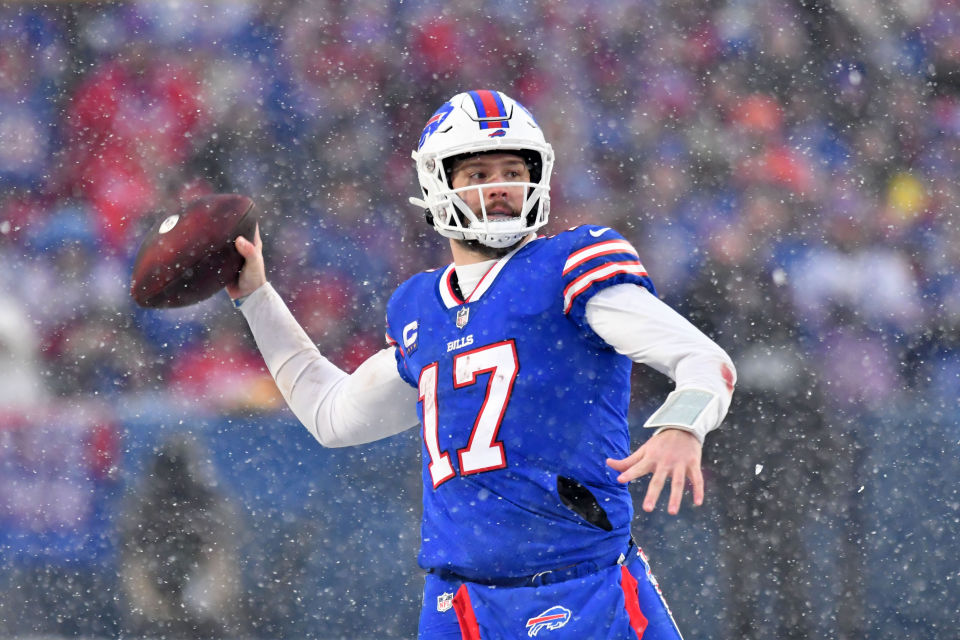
point(489, 105)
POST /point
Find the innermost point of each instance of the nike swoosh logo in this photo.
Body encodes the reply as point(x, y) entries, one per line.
point(596, 233)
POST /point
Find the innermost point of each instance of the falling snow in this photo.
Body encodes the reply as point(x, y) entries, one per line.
point(786, 170)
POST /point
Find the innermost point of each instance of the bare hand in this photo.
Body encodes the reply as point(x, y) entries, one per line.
point(672, 453)
point(254, 273)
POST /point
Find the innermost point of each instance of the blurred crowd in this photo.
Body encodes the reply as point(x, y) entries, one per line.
point(787, 171)
point(787, 145)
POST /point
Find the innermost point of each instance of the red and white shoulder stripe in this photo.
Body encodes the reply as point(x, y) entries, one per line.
point(605, 248)
point(600, 267)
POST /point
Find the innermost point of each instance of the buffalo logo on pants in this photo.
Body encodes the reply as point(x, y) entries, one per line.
point(552, 618)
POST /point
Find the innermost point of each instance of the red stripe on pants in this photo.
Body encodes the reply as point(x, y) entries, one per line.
point(467, 619)
point(631, 602)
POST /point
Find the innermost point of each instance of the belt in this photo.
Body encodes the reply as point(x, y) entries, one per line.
point(551, 576)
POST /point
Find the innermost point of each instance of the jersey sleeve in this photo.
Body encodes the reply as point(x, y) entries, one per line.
point(400, 335)
point(598, 257)
point(338, 409)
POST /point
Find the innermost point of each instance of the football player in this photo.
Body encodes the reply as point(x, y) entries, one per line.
point(514, 360)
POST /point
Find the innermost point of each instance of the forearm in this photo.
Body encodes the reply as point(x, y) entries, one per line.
point(640, 326)
point(337, 408)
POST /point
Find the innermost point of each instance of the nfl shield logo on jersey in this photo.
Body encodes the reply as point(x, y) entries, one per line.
point(463, 316)
point(444, 602)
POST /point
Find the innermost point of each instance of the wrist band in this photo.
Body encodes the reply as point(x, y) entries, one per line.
point(681, 409)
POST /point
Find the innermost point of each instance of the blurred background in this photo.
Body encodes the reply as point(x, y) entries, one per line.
point(786, 169)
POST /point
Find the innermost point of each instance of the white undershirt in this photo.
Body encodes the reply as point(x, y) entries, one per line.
point(374, 402)
point(469, 275)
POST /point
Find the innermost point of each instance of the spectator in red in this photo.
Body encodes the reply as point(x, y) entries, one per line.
point(130, 123)
point(224, 372)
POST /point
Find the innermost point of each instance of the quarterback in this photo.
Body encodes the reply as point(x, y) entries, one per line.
point(514, 362)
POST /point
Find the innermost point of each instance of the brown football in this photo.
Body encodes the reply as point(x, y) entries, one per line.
point(188, 256)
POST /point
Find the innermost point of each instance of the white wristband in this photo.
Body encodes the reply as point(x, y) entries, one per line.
point(684, 409)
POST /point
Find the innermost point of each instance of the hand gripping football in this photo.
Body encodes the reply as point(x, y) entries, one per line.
point(188, 256)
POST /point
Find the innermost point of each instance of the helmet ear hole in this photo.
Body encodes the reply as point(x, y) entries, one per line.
point(428, 215)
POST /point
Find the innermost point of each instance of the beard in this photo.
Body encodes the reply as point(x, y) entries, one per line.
point(492, 253)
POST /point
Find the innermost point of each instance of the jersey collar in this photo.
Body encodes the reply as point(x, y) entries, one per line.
point(448, 293)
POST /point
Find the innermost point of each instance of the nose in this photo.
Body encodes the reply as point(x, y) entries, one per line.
point(498, 191)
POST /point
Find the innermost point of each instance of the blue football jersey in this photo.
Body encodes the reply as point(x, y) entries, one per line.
point(517, 391)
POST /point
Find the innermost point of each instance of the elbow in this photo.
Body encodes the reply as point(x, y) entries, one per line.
point(321, 428)
point(325, 441)
point(728, 371)
point(327, 438)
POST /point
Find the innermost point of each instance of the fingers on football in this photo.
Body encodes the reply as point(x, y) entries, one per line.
point(243, 246)
point(246, 248)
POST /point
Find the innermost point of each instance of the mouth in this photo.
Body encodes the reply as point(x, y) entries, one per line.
point(501, 212)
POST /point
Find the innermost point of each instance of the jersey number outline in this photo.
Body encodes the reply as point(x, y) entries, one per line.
point(483, 451)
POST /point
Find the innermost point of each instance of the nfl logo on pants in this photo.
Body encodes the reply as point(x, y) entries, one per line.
point(444, 602)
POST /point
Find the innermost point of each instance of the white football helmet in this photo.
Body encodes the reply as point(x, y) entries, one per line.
point(477, 122)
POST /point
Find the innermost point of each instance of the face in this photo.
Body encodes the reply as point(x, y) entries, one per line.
point(501, 202)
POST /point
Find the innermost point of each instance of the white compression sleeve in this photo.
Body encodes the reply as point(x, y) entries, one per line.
point(338, 409)
point(640, 326)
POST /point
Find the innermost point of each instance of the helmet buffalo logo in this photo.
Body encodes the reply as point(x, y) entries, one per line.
point(553, 618)
point(499, 133)
point(434, 122)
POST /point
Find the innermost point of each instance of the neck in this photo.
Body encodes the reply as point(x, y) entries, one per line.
point(471, 252)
